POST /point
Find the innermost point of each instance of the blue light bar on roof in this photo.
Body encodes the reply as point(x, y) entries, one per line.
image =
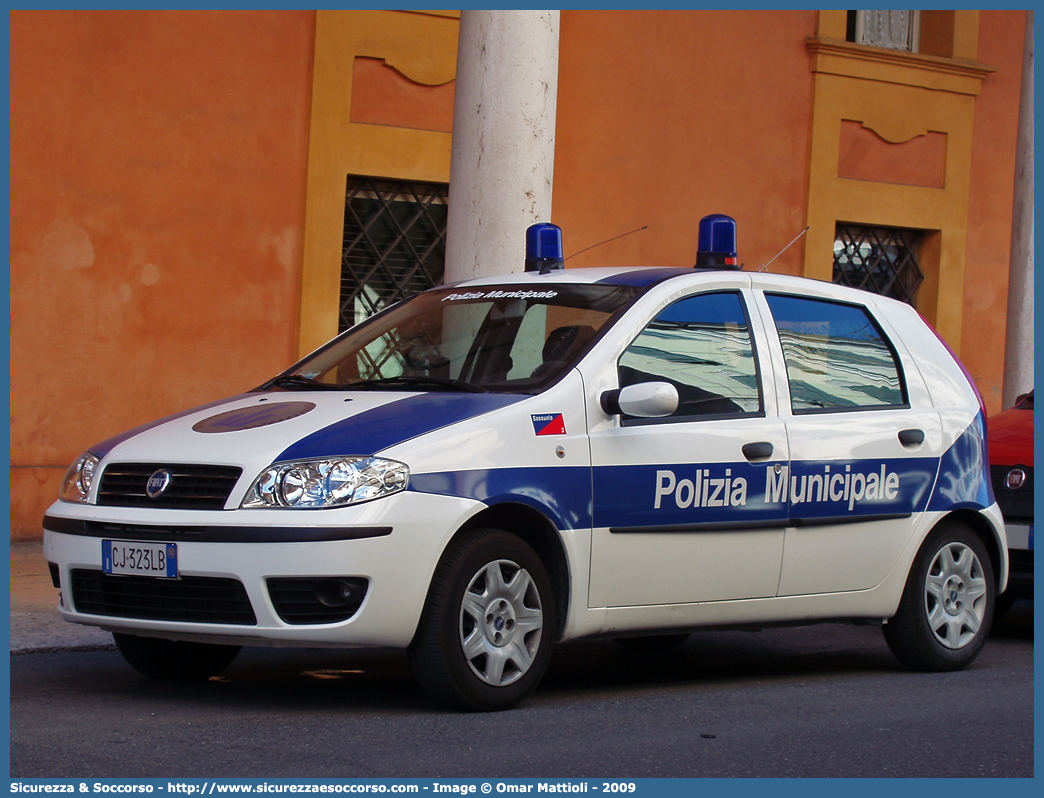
point(717, 243)
point(544, 248)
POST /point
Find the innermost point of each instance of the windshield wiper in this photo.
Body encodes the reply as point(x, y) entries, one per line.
point(455, 385)
point(303, 382)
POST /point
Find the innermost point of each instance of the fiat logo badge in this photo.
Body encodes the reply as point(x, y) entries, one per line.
point(1015, 479)
point(158, 482)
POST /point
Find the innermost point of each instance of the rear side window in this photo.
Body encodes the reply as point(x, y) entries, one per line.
point(702, 346)
point(837, 357)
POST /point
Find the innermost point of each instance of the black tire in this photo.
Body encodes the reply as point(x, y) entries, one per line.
point(946, 610)
point(652, 644)
point(1005, 601)
point(485, 637)
point(174, 660)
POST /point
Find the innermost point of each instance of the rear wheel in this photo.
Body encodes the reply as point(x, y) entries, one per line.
point(488, 624)
point(946, 610)
point(175, 660)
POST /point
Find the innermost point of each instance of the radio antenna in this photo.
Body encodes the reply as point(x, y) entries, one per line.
point(788, 246)
point(636, 230)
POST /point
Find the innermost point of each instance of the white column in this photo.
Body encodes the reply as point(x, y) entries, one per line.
point(1018, 354)
point(502, 166)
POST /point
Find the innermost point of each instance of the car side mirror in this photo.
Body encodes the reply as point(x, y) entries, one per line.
point(644, 400)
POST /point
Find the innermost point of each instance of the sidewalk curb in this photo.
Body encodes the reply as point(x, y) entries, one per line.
point(60, 649)
point(36, 626)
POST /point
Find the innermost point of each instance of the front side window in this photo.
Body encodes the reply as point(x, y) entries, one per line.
point(503, 339)
point(837, 358)
point(702, 346)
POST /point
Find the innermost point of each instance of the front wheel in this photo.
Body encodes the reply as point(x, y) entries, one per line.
point(946, 610)
point(174, 660)
point(488, 624)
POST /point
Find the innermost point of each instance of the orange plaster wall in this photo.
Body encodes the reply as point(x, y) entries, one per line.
point(158, 165)
point(667, 116)
point(991, 200)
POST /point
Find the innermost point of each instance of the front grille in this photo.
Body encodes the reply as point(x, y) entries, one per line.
point(191, 487)
point(191, 599)
point(310, 600)
point(1016, 505)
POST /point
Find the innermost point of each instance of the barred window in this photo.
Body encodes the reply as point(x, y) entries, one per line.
point(878, 259)
point(394, 244)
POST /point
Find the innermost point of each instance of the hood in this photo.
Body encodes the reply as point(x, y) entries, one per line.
point(254, 430)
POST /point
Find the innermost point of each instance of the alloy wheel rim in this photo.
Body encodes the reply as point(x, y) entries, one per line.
point(955, 596)
point(501, 622)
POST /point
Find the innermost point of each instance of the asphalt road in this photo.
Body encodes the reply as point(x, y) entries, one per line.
point(820, 701)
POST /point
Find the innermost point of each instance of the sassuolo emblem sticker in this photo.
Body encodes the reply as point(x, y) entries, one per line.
point(549, 424)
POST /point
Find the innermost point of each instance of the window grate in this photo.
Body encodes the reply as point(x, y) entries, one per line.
point(879, 260)
point(394, 244)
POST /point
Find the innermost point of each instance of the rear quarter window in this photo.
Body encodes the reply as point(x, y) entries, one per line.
point(837, 356)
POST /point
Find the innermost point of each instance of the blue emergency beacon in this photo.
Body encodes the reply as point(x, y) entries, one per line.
point(717, 243)
point(544, 248)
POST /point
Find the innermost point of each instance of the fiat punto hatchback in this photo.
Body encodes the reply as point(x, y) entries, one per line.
point(491, 467)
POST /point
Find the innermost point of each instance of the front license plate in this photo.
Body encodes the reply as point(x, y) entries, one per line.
point(131, 557)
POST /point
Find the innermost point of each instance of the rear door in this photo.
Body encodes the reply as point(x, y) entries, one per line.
point(864, 443)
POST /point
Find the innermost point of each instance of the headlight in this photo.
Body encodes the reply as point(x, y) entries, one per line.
point(332, 482)
point(78, 479)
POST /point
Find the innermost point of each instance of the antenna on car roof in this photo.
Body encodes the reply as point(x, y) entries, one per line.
point(766, 265)
point(636, 230)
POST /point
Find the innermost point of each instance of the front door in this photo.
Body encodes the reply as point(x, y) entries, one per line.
point(681, 511)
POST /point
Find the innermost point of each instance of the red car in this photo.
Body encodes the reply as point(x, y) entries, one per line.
point(1011, 470)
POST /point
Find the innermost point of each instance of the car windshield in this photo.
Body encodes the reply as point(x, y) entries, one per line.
point(502, 339)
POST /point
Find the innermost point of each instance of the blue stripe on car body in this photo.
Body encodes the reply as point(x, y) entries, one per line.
point(644, 277)
point(829, 491)
point(725, 494)
point(964, 472)
point(382, 427)
point(563, 493)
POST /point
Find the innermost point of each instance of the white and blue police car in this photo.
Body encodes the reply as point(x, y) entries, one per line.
point(493, 466)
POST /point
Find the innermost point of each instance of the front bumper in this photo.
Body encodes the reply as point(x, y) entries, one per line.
point(393, 544)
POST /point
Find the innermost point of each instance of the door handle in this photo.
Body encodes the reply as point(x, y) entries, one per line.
point(757, 451)
point(911, 437)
